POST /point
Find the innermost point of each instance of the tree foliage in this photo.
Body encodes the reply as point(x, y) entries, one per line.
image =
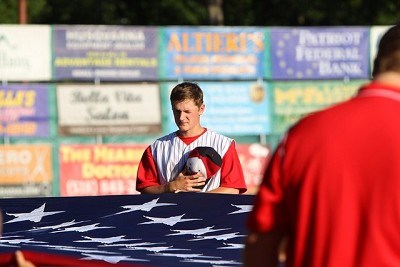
point(195, 12)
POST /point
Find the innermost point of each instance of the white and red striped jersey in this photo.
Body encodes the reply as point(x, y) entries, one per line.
point(163, 160)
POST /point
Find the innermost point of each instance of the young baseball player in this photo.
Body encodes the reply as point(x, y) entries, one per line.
point(162, 168)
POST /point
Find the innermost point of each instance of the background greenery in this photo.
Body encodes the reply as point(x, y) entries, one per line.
point(200, 12)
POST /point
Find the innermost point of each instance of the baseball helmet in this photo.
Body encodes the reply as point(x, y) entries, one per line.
point(205, 160)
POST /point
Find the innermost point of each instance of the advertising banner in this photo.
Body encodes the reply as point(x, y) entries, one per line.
point(254, 159)
point(25, 53)
point(105, 53)
point(293, 100)
point(90, 170)
point(24, 110)
point(319, 53)
point(108, 109)
point(211, 52)
point(25, 170)
point(235, 108)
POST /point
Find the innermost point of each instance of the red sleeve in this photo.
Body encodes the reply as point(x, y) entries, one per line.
point(147, 174)
point(267, 213)
point(231, 170)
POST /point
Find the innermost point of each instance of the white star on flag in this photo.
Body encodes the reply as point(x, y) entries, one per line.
point(34, 216)
point(110, 259)
point(242, 208)
point(232, 246)
point(182, 255)
point(83, 228)
point(131, 244)
point(148, 206)
point(58, 226)
point(107, 240)
point(199, 231)
point(171, 221)
point(218, 237)
point(152, 249)
point(78, 249)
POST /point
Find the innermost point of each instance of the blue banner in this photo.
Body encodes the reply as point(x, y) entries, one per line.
point(105, 53)
point(24, 110)
point(211, 52)
point(319, 53)
point(233, 108)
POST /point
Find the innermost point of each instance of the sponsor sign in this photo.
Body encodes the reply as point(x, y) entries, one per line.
point(90, 170)
point(108, 109)
point(25, 170)
point(254, 159)
point(235, 108)
point(294, 100)
point(105, 53)
point(24, 111)
point(319, 53)
point(25, 53)
point(211, 52)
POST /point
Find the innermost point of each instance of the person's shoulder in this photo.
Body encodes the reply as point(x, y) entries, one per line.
point(217, 135)
point(166, 137)
point(320, 119)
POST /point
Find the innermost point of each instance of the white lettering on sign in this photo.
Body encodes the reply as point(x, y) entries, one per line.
point(15, 157)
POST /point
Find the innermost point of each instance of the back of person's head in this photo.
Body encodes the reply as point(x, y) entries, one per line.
point(187, 91)
point(388, 55)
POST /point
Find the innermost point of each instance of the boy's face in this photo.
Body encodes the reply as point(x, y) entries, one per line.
point(187, 115)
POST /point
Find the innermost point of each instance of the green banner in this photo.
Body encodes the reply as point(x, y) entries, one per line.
point(293, 100)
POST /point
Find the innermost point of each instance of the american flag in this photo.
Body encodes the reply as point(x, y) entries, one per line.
point(184, 229)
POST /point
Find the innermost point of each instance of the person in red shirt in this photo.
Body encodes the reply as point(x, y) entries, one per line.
point(331, 189)
point(162, 166)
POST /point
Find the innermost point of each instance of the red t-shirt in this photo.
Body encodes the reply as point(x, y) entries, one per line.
point(333, 184)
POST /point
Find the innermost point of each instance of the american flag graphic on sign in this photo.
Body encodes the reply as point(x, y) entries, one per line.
point(185, 229)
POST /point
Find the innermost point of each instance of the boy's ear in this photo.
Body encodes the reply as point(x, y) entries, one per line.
point(201, 109)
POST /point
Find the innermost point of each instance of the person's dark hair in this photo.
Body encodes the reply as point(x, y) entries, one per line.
point(388, 55)
point(187, 91)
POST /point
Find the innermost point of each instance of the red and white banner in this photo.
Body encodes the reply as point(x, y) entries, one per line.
point(90, 170)
point(254, 158)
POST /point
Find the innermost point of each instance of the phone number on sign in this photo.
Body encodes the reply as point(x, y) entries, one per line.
point(12, 129)
point(93, 187)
